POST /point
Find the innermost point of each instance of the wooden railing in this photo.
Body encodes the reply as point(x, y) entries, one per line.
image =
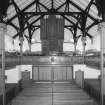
point(92, 61)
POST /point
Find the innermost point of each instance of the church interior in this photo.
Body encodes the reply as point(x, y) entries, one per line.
point(52, 52)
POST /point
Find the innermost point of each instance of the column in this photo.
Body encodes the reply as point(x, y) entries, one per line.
point(83, 44)
point(21, 50)
point(2, 67)
point(75, 45)
point(21, 45)
point(102, 43)
point(29, 44)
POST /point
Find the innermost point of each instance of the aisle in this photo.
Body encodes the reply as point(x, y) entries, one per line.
point(59, 93)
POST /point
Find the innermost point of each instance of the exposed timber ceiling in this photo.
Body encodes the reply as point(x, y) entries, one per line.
point(26, 14)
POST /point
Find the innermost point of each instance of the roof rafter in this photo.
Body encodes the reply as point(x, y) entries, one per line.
point(76, 25)
point(41, 9)
point(82, 10)
point(28, 26)
point(27, 7)
point(52, 13)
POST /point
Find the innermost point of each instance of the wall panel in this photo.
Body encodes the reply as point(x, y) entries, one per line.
point(52, 73)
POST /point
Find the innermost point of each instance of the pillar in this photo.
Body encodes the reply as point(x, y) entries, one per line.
point(102, 43)
point(75, 45)
point(21, 45)
point(29, 44)
point(83, 44)
point(2, 68)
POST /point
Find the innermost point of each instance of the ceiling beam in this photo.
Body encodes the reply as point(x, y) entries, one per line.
point(89, 5)
point(76, 25)
point(55, 12)
point(64, 26)
point(27, 7)
point(52, 4)
point(43, 6)
point(28, 26)
point(51, 13)
point(93, 24)
point(60, 6)
point(82, 10)
point(14, 26)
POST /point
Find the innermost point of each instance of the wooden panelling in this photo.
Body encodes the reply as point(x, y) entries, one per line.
point(44, 73)
point(35, 73)
point(69, 72)
point(52, 73)
point(59, 73)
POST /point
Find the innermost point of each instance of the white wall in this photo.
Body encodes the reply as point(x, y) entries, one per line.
point(14, 75)
point(88, 72)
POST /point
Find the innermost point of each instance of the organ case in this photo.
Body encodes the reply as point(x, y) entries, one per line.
point(52, 30)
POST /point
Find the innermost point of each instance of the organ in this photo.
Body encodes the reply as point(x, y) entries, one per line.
point(52, 34)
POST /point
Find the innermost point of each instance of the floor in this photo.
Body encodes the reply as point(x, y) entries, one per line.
point(55, 93)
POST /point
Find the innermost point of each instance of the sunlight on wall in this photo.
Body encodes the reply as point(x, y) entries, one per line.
point(36, 47)
point(22, 68)
point(88, 72)
point(12, 75)
point(68, 47)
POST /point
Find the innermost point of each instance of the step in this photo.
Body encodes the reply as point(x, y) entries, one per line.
point(75, 102)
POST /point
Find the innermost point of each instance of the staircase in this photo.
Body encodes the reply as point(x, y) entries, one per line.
point(55, 93)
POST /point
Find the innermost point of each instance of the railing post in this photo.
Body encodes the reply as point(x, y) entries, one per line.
point(83, 44)
point(21, 46)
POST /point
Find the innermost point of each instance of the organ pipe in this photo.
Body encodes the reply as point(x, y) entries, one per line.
point(52, 30)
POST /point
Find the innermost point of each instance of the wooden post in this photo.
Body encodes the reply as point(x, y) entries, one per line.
point(102, 43)
point(2, 52)
point(21, 49)
point(75, 45)
point(21, 46)
point(83, 43)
